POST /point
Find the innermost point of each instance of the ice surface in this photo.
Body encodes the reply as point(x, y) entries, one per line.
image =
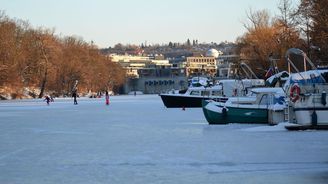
point(137, 140)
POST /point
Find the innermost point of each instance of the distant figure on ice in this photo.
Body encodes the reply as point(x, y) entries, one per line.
point(74, 90)
point(74, 95)
point(47, 99)
point(107, 98)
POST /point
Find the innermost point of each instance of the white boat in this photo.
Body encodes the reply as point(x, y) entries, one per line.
point(253, 108)
point(307, 96)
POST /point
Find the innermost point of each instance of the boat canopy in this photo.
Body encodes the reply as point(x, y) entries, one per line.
point(204, 88)
point(314, 76)
point(241, 86)
point(278, 94)
point(268, 90)
point(308, 77)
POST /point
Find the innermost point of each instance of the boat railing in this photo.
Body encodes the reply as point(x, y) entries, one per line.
point(313, 88)
point(299, 52)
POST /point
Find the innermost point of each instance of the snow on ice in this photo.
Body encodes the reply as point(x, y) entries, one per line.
point(137, 140)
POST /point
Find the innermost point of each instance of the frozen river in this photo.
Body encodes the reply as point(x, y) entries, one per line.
point(137, 140)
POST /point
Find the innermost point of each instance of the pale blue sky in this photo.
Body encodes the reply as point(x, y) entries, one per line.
point(108, 22)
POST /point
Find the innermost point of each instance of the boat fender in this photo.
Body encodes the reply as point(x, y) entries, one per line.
point(314, 118)
point(323, 98)
point(224, 112)
point(295, 93)
point(234, 92)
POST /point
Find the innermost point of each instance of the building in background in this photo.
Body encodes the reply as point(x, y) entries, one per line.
point(131, 64)
point(201, 66)
point(227, 66)
point(157, 73)
point(150, 74)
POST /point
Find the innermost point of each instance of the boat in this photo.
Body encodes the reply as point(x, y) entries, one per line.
point(221, 91)
point(308, 108)
point(192, 97)
point(199, 88)
point(253, 108)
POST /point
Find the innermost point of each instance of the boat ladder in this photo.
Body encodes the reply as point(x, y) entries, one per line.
point(286, 114)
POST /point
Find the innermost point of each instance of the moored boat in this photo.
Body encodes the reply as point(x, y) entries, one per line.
point(192, 97)
point(308, 108)
point(219, 92)
point(250, 109)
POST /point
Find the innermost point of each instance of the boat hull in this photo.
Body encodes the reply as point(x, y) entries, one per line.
point(312, 110)
point(216, 115)
point(306, 127)
point(209, 113)
point(304, 116)
point(184, 101)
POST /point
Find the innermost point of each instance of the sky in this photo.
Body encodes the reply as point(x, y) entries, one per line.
point(108, 22)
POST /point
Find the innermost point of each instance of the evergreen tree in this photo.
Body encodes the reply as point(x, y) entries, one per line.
point(188, 42)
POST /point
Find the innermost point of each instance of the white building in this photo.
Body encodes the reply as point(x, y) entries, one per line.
point(213, 53)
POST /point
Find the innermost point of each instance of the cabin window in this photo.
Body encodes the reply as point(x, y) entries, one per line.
point(264, 100)
point(251, 94)
point(195, 93)
point(216, 93)
point(205, 93)
point(271, 99)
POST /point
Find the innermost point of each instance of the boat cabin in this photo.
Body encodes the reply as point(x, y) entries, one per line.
point(204, 91)
point(239, 87)
point(260, 96)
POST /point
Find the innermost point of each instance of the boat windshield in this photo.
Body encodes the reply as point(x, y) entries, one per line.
point(195, 93)
point(251, 94)
point(217, 93)
point(205, 93)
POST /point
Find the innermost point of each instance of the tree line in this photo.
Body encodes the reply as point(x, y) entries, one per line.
point(304, 26)
point(36, 58)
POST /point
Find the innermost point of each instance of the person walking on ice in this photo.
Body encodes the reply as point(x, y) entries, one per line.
point(74, 95)
point(107, 98)
point(47, 99)
point(74, 92)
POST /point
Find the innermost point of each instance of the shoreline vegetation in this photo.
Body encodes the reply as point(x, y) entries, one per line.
point(35, 62)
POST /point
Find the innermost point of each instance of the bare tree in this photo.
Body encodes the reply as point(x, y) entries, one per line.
point(257, 20)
